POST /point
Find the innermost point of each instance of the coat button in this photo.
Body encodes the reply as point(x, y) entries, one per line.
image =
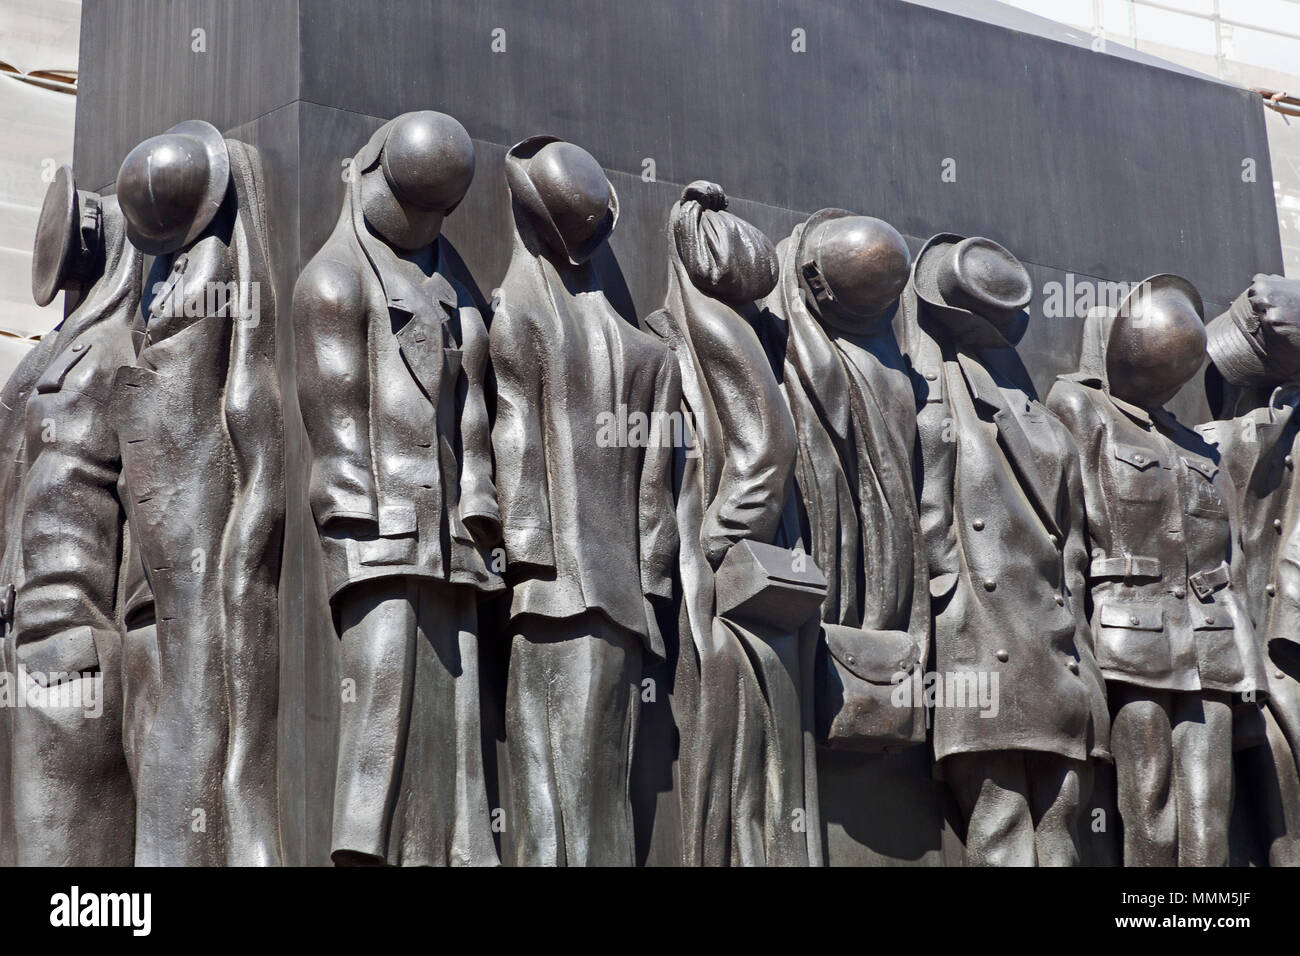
point(1270, 589)
point(1277, 524)
point(1288, 461)
point(1209, 620)
point(1180, 593)
point(1073, 665)
point(989, 584)
point(1140, 459)
point(1003, 656)
point(1133, 621)
point(1055, 540)
point(77, 346)
point(931, 376)
point(977, 524)
point(1060, 601)
point(850, 658)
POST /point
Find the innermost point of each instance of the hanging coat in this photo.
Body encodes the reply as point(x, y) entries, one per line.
point(391, 383)
point(1002, 511)
point(1258, 452)
point(852, 400)
point(587, 518)
point(735, 484)
point(199, 419)
point(393, 376)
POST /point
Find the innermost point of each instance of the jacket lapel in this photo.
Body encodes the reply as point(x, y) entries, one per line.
point(1024, 456)
point(422, 313)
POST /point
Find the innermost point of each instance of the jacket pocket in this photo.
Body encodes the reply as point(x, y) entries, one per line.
point(378, 552)
point(1217, 655)
point(1136, 473)
point(58, 657)
point(1130, 639)
point(1203, 499)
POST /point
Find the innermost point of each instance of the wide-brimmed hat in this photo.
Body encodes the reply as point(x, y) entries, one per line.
point(548, 194)
point(171, 186)
point(427, 158)
point(876, 255)
point(67, 237)
point(976, 275)
point(1247, 348)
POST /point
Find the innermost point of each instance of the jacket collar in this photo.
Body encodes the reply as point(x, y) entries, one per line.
point(403, 295)
point(399, 293)
point(1135, 412)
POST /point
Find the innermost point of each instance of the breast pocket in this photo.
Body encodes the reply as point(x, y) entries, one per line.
point(1137, 473)
point(1203, 498)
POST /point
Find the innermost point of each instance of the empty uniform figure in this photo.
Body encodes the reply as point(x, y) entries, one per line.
point(72, 795)
point(586, 512)
point(851, 393)
point(391, 361)
point(736, 484)
point(850, 390)
point(198, 419)
point(1171, 635)
point(1255, 382)
point(1003, 516)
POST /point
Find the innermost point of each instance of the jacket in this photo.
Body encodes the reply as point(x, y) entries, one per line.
point(1002, 512)
point(391, 384)
point(587, 510)
point(1165, 614)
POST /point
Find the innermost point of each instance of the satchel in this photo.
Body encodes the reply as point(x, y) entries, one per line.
point(858, 676)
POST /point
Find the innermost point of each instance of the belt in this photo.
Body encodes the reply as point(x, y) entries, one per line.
point(1205, 583)
point(1127, 566)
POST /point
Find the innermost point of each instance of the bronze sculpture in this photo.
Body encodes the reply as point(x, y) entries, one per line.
point(851, 395)
point(1255, 350)
point(141, 492)
point(1003, 516)
point(744, 680)
point(392, 355)
point(73, 779)
point(199, 421)
point(587, 513)
point(1171, 637)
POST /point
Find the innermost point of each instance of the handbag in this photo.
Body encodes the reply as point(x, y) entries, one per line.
point(857, 700)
